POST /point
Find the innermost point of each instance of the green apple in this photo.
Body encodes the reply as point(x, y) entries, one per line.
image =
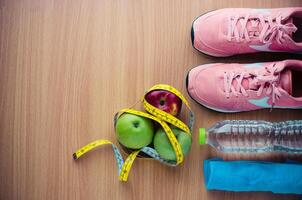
point(163, 146)
point(134, 131)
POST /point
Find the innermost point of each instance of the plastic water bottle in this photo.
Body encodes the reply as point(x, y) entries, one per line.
point(252, 136)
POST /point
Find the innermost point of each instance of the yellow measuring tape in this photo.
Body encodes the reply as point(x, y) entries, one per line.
point(155, 114)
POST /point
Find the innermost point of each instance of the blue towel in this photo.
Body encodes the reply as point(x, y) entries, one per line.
point(284, 178)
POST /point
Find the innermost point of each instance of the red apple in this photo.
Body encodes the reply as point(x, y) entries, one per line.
point(165, 101)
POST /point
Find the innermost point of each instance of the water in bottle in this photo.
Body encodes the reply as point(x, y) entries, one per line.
point(254, 136)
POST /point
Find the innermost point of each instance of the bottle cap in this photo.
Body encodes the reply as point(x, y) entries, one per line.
point(202, 136)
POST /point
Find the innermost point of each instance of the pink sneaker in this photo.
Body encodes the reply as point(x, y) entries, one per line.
point(243, 87)
point(232, 31)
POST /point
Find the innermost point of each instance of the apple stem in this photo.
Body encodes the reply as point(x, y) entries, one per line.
point(161, 102)
point(135, 124)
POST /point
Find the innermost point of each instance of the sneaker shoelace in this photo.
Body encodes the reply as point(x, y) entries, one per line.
point(269, 79)
point(272, 29)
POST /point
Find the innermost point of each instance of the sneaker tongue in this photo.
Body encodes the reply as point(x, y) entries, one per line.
point(247, 83)
point(286, 80)
point(254, 27)
point(289, 21)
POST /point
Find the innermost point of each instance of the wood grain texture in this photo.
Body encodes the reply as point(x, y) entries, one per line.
point(66, 66)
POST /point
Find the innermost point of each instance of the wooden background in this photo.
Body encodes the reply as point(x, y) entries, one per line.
point(66, 66)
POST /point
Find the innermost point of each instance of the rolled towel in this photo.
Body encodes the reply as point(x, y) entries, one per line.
point(282, 178)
